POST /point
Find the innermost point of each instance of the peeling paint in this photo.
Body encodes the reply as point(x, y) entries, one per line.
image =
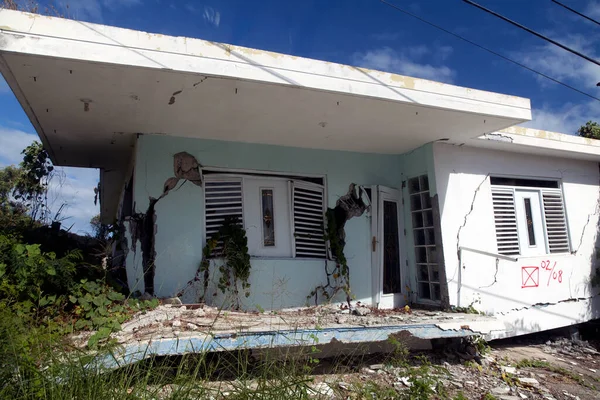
point(498, 137)
point(406, 81)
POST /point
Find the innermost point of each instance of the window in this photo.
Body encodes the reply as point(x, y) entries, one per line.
point(428, 276)
point(529, 216)
point(282, 216)
point(267, 217)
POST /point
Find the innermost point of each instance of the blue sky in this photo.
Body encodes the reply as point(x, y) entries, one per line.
point(365, 33)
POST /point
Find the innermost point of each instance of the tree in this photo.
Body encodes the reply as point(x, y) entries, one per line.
point(99, 230)
point(11, 209)
point(590, 130)
point(23, 189)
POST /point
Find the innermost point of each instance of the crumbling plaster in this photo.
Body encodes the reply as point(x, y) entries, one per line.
point(494, 285)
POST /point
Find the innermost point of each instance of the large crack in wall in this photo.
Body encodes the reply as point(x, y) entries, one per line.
point(142, 225)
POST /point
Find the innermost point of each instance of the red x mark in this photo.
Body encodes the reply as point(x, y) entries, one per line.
point(530, 277)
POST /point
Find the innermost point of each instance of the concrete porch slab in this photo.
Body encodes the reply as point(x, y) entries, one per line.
point(179, 330)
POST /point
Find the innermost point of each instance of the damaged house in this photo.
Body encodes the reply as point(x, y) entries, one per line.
point(349, 184)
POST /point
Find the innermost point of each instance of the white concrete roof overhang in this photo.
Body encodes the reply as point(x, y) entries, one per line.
point(89, 89)
point(538, 142)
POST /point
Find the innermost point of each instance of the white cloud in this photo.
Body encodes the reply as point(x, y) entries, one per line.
point(12, 142)
point(71, 186)
point(405, 62)
point(566, 119)
point(570, 69)
point(593, 9)
point(212, 16)
point(563, 65)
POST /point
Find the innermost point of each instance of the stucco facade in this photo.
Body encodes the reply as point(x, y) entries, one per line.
point(533, 293)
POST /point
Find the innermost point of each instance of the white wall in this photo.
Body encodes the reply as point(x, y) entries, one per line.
point(463, 185)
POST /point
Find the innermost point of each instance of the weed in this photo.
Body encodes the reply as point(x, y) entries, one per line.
point(373, 390)
point(399, 355)
point(489, 396)
point(481, 345)
point(460, 396)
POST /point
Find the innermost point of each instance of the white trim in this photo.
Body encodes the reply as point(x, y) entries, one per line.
point(540, 191)
point(36, 35)
point(283, 177)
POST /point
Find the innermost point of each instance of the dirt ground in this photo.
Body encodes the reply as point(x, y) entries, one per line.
point(556, 369)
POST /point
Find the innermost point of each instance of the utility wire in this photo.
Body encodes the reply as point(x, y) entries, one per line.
point(576, 12)
point(546, 38)
point(488, 50)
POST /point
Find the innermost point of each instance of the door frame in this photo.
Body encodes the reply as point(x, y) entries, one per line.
point(378, 195)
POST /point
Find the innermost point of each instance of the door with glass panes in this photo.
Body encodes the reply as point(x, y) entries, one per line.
point(388, 246)
point(424, 240)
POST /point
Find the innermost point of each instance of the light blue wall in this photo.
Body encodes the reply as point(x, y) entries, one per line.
point(275, 283)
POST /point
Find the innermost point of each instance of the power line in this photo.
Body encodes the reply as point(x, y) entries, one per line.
point(518, 25)
point(488, 50)
point(576, 12)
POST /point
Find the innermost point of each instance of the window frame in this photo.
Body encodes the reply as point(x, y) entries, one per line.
point(540, 192)
point(216, 173)
point(430, 266)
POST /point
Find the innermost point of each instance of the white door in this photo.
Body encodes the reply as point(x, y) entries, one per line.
point(388, 244)
point(267, 217)
point(529, 222)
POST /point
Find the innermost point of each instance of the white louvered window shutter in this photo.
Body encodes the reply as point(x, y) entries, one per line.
point(505, 218)
point(222, 198)
point(308, 214)
point(556, 221)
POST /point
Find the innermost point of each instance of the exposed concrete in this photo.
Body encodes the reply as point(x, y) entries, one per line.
point(173, 330)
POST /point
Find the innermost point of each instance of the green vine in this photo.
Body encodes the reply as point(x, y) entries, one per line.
point(338, 279)
point(235, 268)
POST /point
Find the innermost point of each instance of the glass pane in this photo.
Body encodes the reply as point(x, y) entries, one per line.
point(419, 237)
point(420, 253)
point(424, 291)
point(391, 249)
point(415, 202)
point(529, 218)
point(432, 255)
point(426, 200)
point(413, 185)
point(423, 273)
point(436, 292)
point(429, 236)
point(435, 273)
point(424, 179)
point(417, 220)
point(427, 218)
point(267, 216)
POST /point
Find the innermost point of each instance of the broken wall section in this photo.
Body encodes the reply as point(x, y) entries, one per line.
point(532, 293)
point(275, 283)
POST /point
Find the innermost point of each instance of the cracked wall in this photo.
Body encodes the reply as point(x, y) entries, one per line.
point(142, 228)
point(500, 286)
point(275, 283)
